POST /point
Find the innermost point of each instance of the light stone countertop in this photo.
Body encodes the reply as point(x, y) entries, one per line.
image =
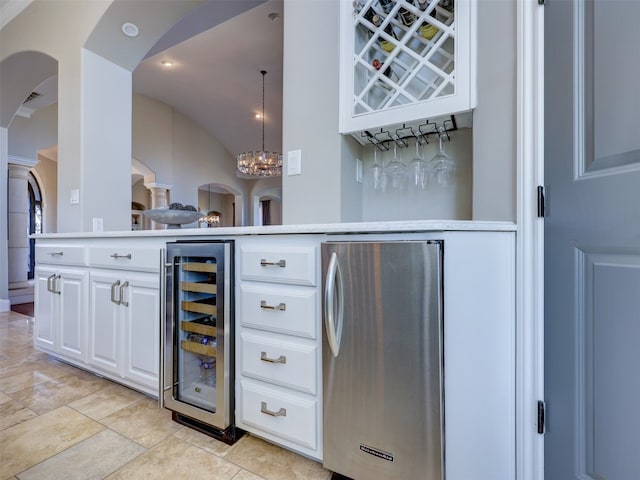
point(312, 228)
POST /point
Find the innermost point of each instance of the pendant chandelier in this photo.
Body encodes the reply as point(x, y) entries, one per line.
point(262, 163)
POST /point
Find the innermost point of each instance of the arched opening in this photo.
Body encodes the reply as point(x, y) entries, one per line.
point(219, 200)
point(35, 219)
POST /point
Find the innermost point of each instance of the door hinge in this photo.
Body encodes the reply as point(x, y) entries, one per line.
point(540, 201)
point(541, 406)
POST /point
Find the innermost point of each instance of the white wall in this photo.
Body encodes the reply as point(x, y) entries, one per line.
point(436, 202)
point(5, 303)
point(152, 124)
point(494, 119)
point(28, 135)
point(310, 116)
point(105, 181)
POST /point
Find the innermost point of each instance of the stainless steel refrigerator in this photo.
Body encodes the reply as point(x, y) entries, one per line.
point(198, 337)
point(383, 360)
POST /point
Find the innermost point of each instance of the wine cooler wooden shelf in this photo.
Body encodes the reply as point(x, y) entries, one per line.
point(199, 267)
point(193, 347)
point(201, 287)
point(206, 305)
point(199, 328)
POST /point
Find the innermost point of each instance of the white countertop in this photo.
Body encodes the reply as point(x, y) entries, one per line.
point(312, 228)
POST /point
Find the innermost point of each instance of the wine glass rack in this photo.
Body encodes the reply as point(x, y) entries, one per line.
point(382, 139)
point(404, 53)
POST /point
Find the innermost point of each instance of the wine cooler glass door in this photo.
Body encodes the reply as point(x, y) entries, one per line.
point(199, 331)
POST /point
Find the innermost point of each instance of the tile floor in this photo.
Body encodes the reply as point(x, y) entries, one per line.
point(59, 422)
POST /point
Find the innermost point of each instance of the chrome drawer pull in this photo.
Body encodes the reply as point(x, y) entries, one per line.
point(50, 279)
point(281, 306)
point(56, 254)
point(280, 413)
point(116, 256)
point(279, 263)
point(281, 359)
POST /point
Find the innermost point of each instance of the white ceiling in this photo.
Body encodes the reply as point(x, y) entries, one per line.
point(215, 78)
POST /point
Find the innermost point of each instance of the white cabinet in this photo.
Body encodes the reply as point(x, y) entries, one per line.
point(61, 310)
point(97, 305)
point(278, 342)
point(124, 322)
point(404, 61)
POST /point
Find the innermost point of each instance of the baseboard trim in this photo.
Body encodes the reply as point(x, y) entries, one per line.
point(5, 305)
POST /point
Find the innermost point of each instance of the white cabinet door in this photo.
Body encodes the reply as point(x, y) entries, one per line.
point(61, 310)
point(104, 324)
point(400, 63)
point(140, 308)
point(45, 308)
point(73, 287)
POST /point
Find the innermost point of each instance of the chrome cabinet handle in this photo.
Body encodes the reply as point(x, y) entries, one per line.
point(50, 278)
point(122, 287)
point(56, 254)
point(281, 306)
point(279, 263)
point(57, 277)
point(116, 256)
point(333, 305)
point(280, 413)
point(113, 292)
point(281, 359)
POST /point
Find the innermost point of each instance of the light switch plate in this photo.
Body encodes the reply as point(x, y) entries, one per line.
point(75, 196)
point(294, 162)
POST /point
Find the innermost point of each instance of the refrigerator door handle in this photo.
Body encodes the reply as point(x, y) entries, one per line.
point(333, 305)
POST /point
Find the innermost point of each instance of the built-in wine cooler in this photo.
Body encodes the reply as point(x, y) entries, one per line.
point(198, 337)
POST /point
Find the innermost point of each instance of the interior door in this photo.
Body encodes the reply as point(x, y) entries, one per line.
point(592, 239)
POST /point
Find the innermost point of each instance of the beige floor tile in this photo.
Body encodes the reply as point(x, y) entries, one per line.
point(92, 459)
point(106, 401)
point(203, 441)
point(176, 459)
point(29, 443)
point(22, 381)
point(4, 398)
point(142, 422)
point(245, 475)
point(12, 413)
point(274, 463)
point(60, 391)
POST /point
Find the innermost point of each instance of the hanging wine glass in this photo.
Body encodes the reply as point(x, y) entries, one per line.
point(418, 169)
point(396, 173)
point(376, 173)
point(441, 167)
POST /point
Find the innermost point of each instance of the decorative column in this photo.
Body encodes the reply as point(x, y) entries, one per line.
point(159, 198)
point(18, 221)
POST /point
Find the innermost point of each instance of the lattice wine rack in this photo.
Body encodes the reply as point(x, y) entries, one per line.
point(405, 52)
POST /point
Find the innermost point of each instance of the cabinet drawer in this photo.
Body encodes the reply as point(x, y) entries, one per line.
point(292, 417)
point(284, 309)
point(278, 360)
point(295, 265)
point(61, 254)
point(127, 258)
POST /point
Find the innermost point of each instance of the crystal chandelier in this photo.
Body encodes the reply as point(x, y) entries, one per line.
point(262, 163)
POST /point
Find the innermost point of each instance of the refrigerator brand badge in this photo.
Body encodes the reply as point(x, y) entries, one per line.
point(377, 453)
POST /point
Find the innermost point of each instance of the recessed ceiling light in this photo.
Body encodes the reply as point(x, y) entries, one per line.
point(130, 29)
point(167, 63)
point(257, 115)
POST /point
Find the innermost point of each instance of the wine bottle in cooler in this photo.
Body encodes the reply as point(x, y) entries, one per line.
point(387, 72)
point(386, 45)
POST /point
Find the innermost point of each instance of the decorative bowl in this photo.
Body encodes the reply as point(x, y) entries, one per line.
point(173, 218)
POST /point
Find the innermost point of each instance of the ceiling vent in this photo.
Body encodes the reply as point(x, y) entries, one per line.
point(31, 96)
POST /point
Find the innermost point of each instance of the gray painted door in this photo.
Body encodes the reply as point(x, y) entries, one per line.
point(592, 239)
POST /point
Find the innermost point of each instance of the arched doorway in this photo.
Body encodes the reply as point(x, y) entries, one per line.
point(35, 219)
